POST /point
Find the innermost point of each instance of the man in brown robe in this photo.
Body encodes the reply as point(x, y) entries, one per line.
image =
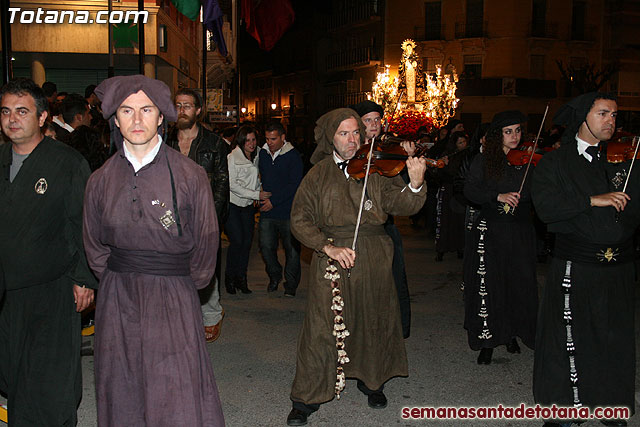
point(151, 236)
point(323, 218)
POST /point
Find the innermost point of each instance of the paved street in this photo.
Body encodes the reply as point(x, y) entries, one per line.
point(254, 359)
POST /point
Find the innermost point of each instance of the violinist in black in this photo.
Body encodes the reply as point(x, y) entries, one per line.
point(450, 211)
point(500, 291)
point(585, 350)
point(371, 114)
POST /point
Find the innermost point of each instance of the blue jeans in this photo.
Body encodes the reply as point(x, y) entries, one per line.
point(271, 230)
point(239, 228)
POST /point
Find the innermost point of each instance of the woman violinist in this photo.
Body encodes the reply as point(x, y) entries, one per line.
point(501, 295)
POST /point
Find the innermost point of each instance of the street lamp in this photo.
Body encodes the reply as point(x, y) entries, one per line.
point(273, 106)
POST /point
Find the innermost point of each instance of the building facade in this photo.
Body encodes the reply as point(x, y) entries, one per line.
point(74, 55)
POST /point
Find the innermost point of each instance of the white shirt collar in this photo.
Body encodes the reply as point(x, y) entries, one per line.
point(273, 155)
point(148, 158)
point(57, 121)
point(277, 153)
point(582, 148)
point(338, 160)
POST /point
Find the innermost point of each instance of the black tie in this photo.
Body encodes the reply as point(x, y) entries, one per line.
point(343, 165)
point(594, 151)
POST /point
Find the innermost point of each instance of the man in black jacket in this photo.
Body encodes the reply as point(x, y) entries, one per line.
point(209, 151)
point(48, 282)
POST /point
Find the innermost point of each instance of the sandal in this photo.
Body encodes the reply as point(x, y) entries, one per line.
point(211, 333)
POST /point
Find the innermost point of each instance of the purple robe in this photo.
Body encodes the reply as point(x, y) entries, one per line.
point(151, 363)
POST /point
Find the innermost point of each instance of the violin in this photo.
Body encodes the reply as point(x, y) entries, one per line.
point(520, 155)
point(620, 150)
point(388, 158)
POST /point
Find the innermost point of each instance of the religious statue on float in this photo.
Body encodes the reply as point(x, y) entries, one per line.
point(411, 76)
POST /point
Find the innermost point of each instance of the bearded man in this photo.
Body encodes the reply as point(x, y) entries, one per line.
point(209, 151)
point(323, 218)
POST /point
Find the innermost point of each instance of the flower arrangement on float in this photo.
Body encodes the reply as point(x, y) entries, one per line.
point(406, 123)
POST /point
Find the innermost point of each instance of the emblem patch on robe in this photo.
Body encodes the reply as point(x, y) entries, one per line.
point(619, 179)
point(41, 186)
point(506, 209)
point(608, 255)
point(167, 220)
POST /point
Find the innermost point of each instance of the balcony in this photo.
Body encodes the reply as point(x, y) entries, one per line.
point(479, 87)
point(543, 30)
point(352, 58)
point(467, 30)
point(422, 34)
point(530, 88)
point(345, 99)
point(583, 33)
point(358, 12)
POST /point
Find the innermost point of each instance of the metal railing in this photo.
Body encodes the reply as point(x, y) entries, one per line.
point(350, 57)
point(345, 99)
point(543, 30)
point(423, 33)
point(355, 12)
point(583, 33)
point(469, 30)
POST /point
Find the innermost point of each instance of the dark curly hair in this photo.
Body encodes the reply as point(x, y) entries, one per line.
point(494, 157)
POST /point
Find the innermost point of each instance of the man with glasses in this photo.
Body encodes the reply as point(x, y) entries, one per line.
point(209, 151)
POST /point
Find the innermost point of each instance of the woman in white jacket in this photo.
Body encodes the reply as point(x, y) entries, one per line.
point(244, 185)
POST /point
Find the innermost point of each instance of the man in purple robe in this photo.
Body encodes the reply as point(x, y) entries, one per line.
point(151, 236)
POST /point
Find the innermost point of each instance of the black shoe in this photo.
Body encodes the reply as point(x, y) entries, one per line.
point(512, 346)
point(297, 418)
point(614, 422)
point(439, 256)
point(288, 291)
point(272, 287)
point(377, 400)
point(485, 356)
point(230, 284)
point(242, 286)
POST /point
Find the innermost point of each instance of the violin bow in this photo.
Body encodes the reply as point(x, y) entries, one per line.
point(636, 139)
point(364, 192)
point(535, 145)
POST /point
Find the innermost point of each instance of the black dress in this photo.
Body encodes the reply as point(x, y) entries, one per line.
point(501, 296)
point(585, 347)
point(450, 212)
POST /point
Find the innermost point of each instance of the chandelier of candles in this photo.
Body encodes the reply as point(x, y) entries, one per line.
point(441, 100)
point(438, 96)
point(384, 91)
